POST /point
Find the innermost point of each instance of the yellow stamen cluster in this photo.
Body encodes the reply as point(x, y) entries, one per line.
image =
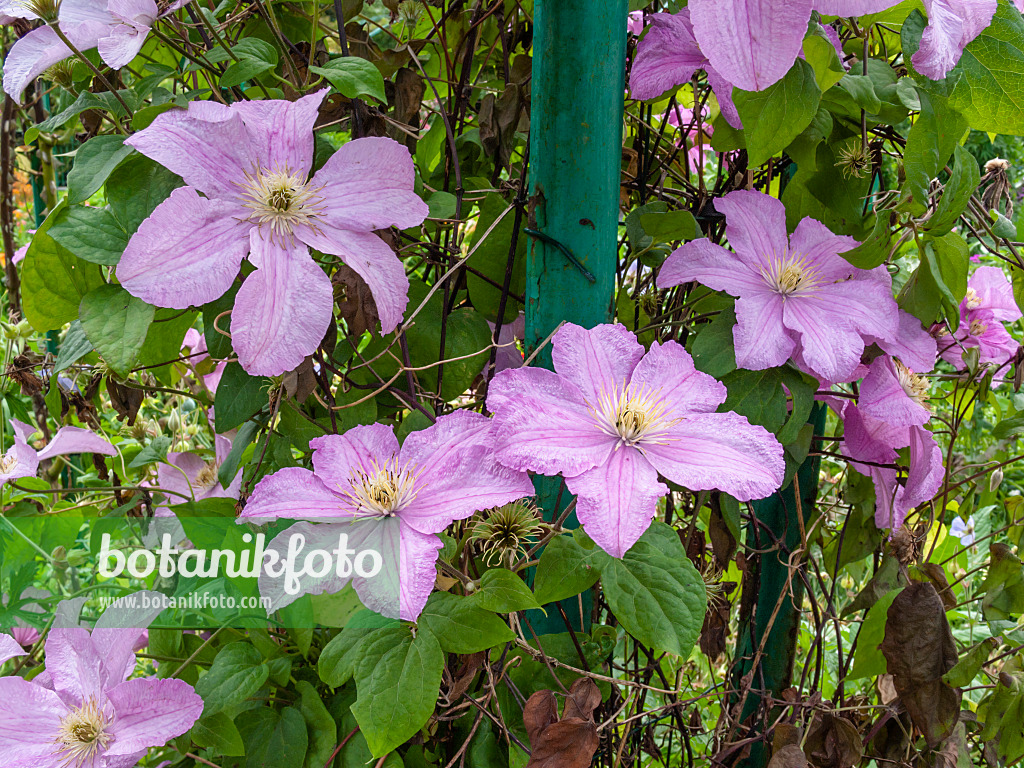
point(383, 491)
point(207, 477)
point(914, 385)
point(281, 200)
point(82, 735)
point(978, 327)
point(791, 276)
point(633, 416)
point(971, 299)
point(8, 462)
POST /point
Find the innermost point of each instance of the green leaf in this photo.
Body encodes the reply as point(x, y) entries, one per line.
point(116, 323)
point(237, 673)
point(772, 118)
point(92, 234)
point(466, 332)
point(963, 182)
point(136, 188)
point(758, 395)
point(713, 350)
point(985, 84)
point(339, 658)
point(320, 726)
point(163, 342)
point(655, 592)
point(970, 664)
point(669, 226)
point(274, 740)
point(155, 450)
point(74, 346)
point(54, 280)
point(1003, 715)
point(935, 133)
point(502, 591)
point(94, 162)
point(353, 77)
point(461, 626)
point(868, 661)
point(875, 249)
point(239, 397)
point(397, 681)
point(565, 569)
point(255, 57)
point(218, 732)
point(822, 56)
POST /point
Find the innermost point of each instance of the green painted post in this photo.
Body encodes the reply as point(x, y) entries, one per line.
point(579, 55)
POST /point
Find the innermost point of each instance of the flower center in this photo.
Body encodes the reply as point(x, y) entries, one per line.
point(207, 477)
point(791, 275)
point(978, 327)
point(632, 416)
point(914, 385)
point(971, 299)
point(383, 491)
point(8, 462)
point(82, 735)
point(281, 200)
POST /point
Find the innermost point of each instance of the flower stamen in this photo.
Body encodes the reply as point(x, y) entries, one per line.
point(383, 491)
point(82, 734)
point(915, 385)
point(281, 200)
point(633, 416)
point(791, 276)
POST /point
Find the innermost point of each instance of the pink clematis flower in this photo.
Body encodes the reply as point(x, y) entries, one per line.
point(116, 28)
point(388, 499)
point(697, 139)
point(252, 162)
point(22, 460)
point(84, 711)
point(195, 345)
point(668, 56)
point(753, 43)
point(987, 305)
point(188, 474)
point(795, 294)
point(891, 414)
point(610, 418)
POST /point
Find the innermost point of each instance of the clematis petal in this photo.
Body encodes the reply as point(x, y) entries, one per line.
point(883, 397)
point(995, 293)
point(368, 184)
point(598, 360)
point(74, 664)
point(23, 462)
point(294, 493)
point(30, 717)
point(723, 92)
point(9, 648)
point(711, 265)
point(69, 440)
point(617, 499)
point(893, 500)
point(282, 131)
point(760, 335)
point(720, 451)
point(852, 7)
point(995, 344)
point(212, 156)
point(542, 423)
point(417, 570)
point(865, 304)
point(373, 260)
point(816, 243)
point(30, 56)
point(151, 712)
point(455, 463)
point(668, 369)
point(187, 253)
point(282, 310)
point(123, 44)
point(913, 345)
point(666, 57)
point(755, 224)
point(363, 449)
point(179, 475)
point(77, 12)
point(830, 347)
point(751, 43)
point(952, 24)
point(142, 12)
point(117, 632)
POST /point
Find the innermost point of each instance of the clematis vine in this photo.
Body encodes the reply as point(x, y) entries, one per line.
point(796, 295)
point(667, 57)
point(610, 418)
point(987, 304)
point(753, 43)
point(84, 711)
point(115, 28)
point(386, 498)
point(22, 460)
point(250, 194)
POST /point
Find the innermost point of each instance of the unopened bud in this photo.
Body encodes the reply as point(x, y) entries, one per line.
point(995, 479)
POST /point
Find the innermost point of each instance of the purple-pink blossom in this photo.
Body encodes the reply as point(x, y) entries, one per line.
point(83, 711)
point(249, 194)
point(610, 418)
point(796, 295)
point(115, 28)
point(195, 344)
point(667, 57)
point(987, 304)
point(22, 460)
point(389, 499)
point(189, 475)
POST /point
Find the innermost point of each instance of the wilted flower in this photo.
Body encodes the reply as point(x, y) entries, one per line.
point(504, 532)
point(796, 294)
point(252, 162)
point(22, 460)
point(388, 499)
point(610, 418)
point(83, 711)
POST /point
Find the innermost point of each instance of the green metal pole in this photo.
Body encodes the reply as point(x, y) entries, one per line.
point(577, 90)
point(776, 614)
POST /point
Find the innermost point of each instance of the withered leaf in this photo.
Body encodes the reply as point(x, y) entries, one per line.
point(355, 301)
point(409, 90)
point(919, 649)
point(833, 742)
point(569, 742)
point(301, 382)
point(126, 400)
point(789, 756)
